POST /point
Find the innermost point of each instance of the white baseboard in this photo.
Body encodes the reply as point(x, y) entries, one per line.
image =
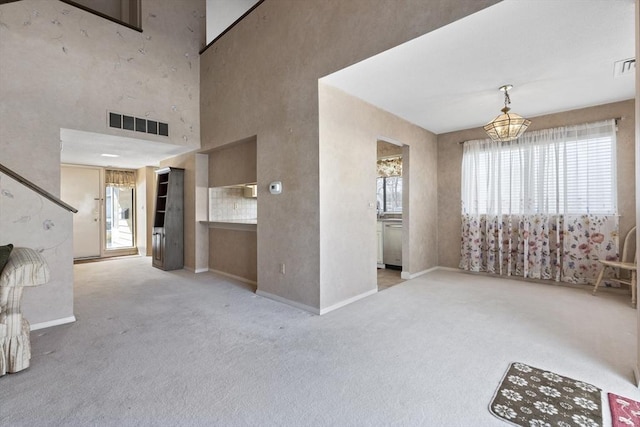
point(51, 323)
point(313, 309)
point(408, 276)
point(288, 302)
point(348, 301)
point(233, 276)
point(196, 270)
point(448, 269)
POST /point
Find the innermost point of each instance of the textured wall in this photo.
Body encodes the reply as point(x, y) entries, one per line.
point(145, 199)
point(62, 67)
point(234, 252)
point(233, 164)
point(261, 79)
point(29, 220)
point(349, 132)
point(450, 162)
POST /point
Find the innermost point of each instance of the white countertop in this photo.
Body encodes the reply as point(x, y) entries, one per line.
point(233, 224)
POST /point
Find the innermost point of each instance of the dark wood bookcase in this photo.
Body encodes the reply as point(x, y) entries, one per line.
point(168, 221)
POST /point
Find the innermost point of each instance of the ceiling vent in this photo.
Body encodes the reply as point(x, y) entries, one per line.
point(624, 67)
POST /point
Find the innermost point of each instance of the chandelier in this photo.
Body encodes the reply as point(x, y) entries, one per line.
point(507, 126)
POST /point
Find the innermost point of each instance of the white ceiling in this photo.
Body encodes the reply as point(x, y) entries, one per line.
point(558, 54)
point(86, 148)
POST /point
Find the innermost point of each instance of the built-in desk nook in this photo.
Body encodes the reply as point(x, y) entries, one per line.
point(233, 210)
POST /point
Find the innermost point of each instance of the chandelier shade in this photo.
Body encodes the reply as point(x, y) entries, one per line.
point(507, 126)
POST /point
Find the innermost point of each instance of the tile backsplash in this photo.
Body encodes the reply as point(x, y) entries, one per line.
point(229, 203)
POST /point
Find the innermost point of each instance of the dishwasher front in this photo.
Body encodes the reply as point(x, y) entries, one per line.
point(392, 244)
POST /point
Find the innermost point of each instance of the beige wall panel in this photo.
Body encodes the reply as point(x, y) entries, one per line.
point(29, 220)
point(450, 162)
point(349, 131)
point(260, 79)
point(233, 164)
point(234, 252)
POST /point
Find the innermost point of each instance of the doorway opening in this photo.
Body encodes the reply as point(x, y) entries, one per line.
point(389, 207)
point(119, 215)
point(105, 224)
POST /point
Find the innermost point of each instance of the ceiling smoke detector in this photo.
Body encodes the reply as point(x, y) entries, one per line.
point(624, 67)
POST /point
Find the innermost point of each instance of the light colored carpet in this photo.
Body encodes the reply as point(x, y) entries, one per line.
point(174, 348)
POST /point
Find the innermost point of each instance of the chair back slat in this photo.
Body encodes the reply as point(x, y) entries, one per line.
point(629, 239)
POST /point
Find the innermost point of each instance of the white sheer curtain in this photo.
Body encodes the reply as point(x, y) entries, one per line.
point(543, 206)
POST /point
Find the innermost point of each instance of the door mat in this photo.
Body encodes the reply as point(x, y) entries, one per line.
point(624, 411)
point(533, 397)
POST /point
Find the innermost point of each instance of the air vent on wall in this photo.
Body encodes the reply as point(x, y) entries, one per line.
point(624, 67)
point(137, 124)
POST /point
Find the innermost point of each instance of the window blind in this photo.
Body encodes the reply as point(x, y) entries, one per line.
point(568, 170)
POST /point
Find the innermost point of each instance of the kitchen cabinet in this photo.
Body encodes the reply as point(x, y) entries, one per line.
point(168, 223)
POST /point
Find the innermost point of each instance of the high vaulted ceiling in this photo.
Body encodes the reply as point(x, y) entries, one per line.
point(558, 54)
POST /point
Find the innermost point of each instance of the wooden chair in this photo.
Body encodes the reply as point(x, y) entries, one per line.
point(628, 262)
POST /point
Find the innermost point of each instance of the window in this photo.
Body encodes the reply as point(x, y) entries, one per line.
point(570, 170)
point(119, 209)
point(389, 194)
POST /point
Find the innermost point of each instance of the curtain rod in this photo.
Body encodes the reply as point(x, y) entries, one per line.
point(617, 119)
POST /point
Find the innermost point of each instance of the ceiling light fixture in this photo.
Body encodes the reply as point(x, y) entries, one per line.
point(507, 126)
point(109, 155)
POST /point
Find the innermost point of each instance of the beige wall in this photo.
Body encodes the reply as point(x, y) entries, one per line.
point(62, 67)
point(450, 161)
point(233, 164)
point(234, 252)
point(349, 131)
point(145, 195)
point(29, 220)
point(261, 78)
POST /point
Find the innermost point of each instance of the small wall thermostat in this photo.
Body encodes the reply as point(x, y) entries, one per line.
point(275, 187)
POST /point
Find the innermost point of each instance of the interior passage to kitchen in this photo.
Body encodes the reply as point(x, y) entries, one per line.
point(389, 213)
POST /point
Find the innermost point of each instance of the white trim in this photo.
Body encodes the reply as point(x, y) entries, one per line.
point(457, 270)
point(313, 309)
point(348, 301)
point(288, 302)
point(233, 276)
point(196, 270)
point(51, 323)
point(408, 276)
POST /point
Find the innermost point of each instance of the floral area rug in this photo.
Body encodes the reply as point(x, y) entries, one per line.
point(534, 397)
point(624, 411)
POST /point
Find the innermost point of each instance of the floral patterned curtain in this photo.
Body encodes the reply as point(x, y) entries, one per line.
point(390, 167)
point(120, 178)
point(519, 204)
point(554, 247)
